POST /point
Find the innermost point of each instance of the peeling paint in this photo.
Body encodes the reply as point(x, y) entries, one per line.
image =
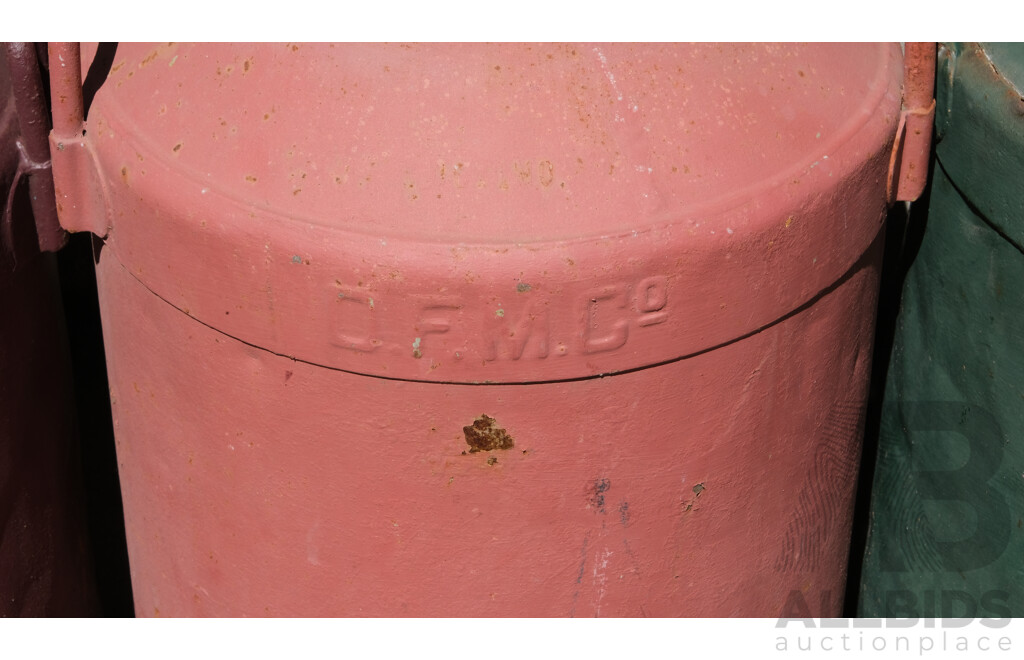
point(485, 435)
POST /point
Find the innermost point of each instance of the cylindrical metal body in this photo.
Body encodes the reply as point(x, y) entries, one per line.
point(489, 329)
point(44, 556)
point(946, 536)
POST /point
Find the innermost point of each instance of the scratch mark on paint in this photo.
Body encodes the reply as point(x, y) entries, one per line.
point(579, 574)
point(632, 557)
point(609, 74)
point(600, 577)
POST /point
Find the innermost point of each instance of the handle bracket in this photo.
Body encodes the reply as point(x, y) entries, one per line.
point(908, 164)
point(80, 190)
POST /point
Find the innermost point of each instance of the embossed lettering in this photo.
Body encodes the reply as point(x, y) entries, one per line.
point(606, 326)
point(352, 320)
point(651, 298)
point(511, 336)
point(515, 328)
point(435, 318)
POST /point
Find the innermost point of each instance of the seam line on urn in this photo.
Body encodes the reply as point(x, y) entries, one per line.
point(858, 265)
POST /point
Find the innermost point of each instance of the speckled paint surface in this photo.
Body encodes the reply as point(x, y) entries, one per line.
point(489, 330)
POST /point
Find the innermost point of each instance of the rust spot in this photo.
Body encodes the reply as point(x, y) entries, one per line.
point(177, 147)
point(124, 174)
point(546, 172)
point(692, 502)
point(484, 435)
point(491, 460)
point(800, 73)
point(250, 178)
point(246, 65)
point(149, 58)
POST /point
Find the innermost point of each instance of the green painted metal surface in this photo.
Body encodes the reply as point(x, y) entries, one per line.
point(946, 534)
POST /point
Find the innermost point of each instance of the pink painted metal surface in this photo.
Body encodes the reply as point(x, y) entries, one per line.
point(488, 329)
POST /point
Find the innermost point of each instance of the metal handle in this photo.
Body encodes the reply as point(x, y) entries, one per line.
point(908, 165)
point(66, 90)
point(33, 150)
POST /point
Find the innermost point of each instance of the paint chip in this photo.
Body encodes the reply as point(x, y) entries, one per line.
point(485, 435)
